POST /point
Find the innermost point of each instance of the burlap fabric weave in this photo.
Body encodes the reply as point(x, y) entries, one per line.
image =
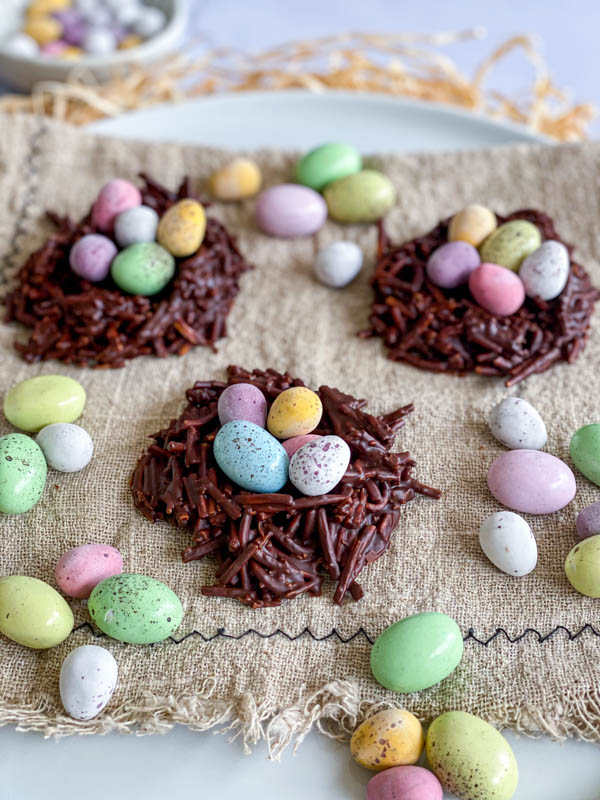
point(532, 644)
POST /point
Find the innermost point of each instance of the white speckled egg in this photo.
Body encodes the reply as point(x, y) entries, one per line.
point(318, 466)
point(88, 678)
point(136, 224)
point(67, 447)
point(517, 425)
point(508, 542)
point(545, 271)
point(338, 264)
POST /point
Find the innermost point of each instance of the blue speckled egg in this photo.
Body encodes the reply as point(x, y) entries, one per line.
point(251, 457)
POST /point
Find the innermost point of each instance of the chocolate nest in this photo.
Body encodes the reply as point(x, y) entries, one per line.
point(446, 331)
point(271, 547)
point(96, 324)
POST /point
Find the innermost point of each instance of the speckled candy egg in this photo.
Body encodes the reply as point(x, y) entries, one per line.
point(507, 540)
point(182, 227)
point(511, 243)
point(137, 224)
point(473, 225)
point(91, 256)
point(294, 444)
point(66, 447)
point(144, 268)
point(327, 163)
point(317, 467)
point(32, 613)
point(251, 457)
point(451, 264)
point(295, 411)
point(365, 196)
point(417, 652)
point(135, 609)
point(79, 570)
point(391, 738)
point(585, 451)
point(582, 567)
point(588, 521)
point(290, 210)
point(545, 271)
point(36, 402)
point(242, 401)
point(22, 473)
point(21, 45)
point(497, 289)
point(471, 758)
point(404, 783)
point(516, 424)
point(531, 481)
point(88, 677)
point(338, 264)
point(237, 180)
point(114, 197)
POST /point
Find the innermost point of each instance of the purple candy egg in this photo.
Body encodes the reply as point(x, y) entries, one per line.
point(451, 264)
point(290, 210)
point(588, 521)
point(91, 256)
point(74, 26)
point(242, 401)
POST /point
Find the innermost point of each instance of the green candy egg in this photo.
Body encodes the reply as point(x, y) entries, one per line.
point(327, 163)
point(585, 451)
point(511, 243)
point(22, 473)
point(582, 567)
point(363, 197)
point(40, 401)
point(135, 609)
point(32, 613)
point(417, 652)
point(470, 758)
point(143, 268)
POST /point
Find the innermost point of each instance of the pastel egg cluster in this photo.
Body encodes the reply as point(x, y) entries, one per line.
point(501, 265)
point(72, 29)
point(260, 449)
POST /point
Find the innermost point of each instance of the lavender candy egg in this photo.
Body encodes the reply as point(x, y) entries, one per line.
point(88, 677)
point(545, 271)
point(74, 26)
point(531, 481)
point(242, 401)
point(451, 264)
point(137, 224)
point(588, 521)
point(290, 210)
point(317, 467)
point(91, 256)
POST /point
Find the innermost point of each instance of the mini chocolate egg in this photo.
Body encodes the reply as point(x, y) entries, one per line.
point(32, 613)
point(365, 196)
point(66, 447)
point(390, 738)
point(91, 256)
point(587, 522)
point(149, 21)
point(531, 481)
point(82, 568)
point(88, 677)
point(296, 442)
point(251, 457)
point(318, 466)
point(511, 243)
point(242, 401)
point(36, 402)
point(237, 180)
point(473, 225)
point(115, 196)
point(516, 424)
point(295, 411)
point(338, 264)
point(137, 224)
point(21, 45)
point(144, 268)
point(135, 609)
point(290, 210)
point(74, 27)
point(22, 473)
point(43, 29)
point(327, 163)
point(545, 271)
point(451, 264)
point(404, 783)
point(99, 42)
point(585, 451)
point(507, 540)
point(182, 227)
point(582, 567)
point(497, 289)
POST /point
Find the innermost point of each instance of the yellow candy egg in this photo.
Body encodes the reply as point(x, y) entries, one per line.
point(236, 181)
point(473, 224)
point(181, 228)
point(71, 53)
point(294, 412)
point(32, 613)
point(46, 6)
point(43, 29)
point(130, 41)
point(391, 738)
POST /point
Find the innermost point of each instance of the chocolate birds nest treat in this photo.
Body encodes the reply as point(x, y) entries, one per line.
point(103, 321)
point(444, 329)
point(273, 546)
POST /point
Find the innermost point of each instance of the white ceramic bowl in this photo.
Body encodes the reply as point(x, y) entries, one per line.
point(22, 73)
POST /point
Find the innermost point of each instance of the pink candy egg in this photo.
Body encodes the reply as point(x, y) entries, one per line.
point(114, 197)
point(531, 481)
point(242, 401)
point(404, 783)
point(451, 264)
point(290, 210)
point(54, 48)
point(497, 289)
point(295, 443)
point(79, 570)
point(91, 256)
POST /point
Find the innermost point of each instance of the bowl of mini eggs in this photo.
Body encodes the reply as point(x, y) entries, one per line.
point(44, 40)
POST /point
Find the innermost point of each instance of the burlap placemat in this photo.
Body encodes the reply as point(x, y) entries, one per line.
point(532, 644)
